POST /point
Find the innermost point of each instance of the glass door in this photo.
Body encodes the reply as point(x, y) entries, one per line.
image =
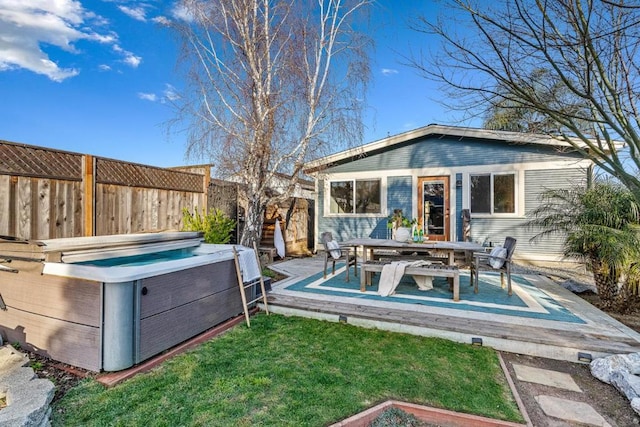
point(433, 206)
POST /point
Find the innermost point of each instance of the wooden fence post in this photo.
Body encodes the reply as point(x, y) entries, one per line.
point(89, 196)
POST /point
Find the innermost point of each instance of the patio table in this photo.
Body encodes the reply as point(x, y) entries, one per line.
point(437, 247)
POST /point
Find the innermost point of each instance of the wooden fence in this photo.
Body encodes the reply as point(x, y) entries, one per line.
point(46, 194)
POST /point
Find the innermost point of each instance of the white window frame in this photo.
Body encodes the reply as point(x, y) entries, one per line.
point(353, 179)
point(518, 188)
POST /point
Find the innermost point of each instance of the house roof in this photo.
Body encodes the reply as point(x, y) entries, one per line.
point(437, 131)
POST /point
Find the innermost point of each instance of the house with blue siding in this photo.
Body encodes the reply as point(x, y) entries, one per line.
point(443, 176)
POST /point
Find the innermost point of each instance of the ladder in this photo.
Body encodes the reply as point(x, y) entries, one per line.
point(250, 285)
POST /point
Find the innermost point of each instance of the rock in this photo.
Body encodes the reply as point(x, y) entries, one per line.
point(10, 359)
point(577, 287)
point(27, 396)
point(602, 368)
point(635, 404)
point(627, 384)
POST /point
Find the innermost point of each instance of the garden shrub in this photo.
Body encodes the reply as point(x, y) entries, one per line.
point(216, 226)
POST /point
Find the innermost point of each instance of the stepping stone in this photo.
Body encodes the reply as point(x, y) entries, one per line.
point(545, 377)
point(570, 410)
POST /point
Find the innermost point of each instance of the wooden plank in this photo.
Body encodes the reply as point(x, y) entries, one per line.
point(153, 208)
point(63, 204)
point(170, 290)
point(23, 208)
point(42, 215)
point(57, 200)
point(577, 338)
point(89, 196)
point(105, 209)
point(74, 217)
point(166, 329)
point(137, 210)
point(171, 210)
point(112, 209)
point(180, 202)
point(100, 212)
point(65, 298)
point(124, 219)
point(5, 206)
point(67, 342)
point(115, 209)
point(163, 198)
point(146, 207)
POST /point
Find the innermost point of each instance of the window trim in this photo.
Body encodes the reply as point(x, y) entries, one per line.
point(327, 197)
point(518, 189)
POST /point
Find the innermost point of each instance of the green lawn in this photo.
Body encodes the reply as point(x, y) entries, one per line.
point(296, 372)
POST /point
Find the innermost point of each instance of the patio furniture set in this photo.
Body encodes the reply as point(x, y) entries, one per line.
point(424, 259)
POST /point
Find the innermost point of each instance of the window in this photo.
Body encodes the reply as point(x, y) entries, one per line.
point(355, 197)
point(493, 193)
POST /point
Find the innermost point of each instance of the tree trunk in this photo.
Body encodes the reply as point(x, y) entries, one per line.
point(254, 218)
point(623, 299)
point(607, 291)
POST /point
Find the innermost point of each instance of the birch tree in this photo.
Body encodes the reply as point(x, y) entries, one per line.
point(589, 50)
point(270, 84)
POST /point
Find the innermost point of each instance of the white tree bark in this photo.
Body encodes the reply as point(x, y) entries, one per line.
point(271, 82)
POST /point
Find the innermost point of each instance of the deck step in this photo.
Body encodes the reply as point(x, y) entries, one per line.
point(531, 339)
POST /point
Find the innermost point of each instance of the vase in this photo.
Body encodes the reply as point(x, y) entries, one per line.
point(403, 234)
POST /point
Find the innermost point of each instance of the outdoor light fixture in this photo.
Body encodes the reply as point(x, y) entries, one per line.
point(342, 318)
point(584, 357)
point(476, 341)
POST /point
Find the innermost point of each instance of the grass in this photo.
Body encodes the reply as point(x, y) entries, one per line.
point(296, 372)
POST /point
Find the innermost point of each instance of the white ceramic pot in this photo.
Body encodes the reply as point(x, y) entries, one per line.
point(403, 234)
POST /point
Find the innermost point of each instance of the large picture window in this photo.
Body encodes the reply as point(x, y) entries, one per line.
point(493, 193)
point(355, 197)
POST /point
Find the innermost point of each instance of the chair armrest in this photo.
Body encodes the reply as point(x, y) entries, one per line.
point(481, 255)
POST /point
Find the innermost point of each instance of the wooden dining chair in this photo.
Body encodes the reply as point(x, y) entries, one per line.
point(498, 260)
point(334, 252)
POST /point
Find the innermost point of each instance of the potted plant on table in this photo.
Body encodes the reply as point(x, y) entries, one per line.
point(400, 226)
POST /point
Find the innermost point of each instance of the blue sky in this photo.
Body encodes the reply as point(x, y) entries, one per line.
point(94, 76)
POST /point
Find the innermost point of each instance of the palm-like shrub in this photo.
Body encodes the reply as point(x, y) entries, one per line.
point(601, 225)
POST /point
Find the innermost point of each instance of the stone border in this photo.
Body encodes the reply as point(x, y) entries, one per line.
point(28, 397)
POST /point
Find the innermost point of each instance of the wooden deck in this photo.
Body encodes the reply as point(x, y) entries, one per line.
point(599, 336)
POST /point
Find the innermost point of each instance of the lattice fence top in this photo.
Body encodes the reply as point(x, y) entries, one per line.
point(136, 175)
point(25, 160)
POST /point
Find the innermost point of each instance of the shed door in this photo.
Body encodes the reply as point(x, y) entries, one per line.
point(433, 206)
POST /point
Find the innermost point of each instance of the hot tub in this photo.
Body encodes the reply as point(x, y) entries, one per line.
point(109, 302)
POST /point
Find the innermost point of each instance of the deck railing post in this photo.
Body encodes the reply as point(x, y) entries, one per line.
point(89, 194)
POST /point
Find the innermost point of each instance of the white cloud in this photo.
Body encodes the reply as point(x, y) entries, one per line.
point(134, 12)
point(170, 93)
point(132, 60)
point(25, 26)
point(162, 20)
point(148, 96)
point(389, 71)
point(104, 67)
point(179, 11)
point(129, 58)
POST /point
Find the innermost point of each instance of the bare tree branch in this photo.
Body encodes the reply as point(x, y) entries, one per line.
point(271, 83)
point(589, 48)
